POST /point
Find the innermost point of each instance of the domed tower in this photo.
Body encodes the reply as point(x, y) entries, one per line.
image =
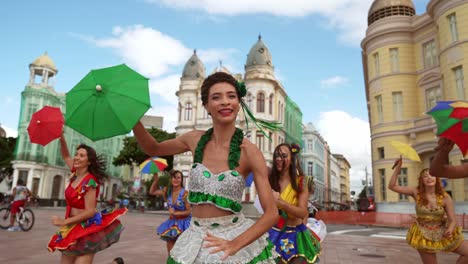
point(265, 97)
point(191, 113)
point(259, 63)
point(39, 92)
point(43, 67)
point(390, 59)
point(386, 8)
point(188, 93)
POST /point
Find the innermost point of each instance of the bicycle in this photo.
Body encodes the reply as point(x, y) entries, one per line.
point(24, 218)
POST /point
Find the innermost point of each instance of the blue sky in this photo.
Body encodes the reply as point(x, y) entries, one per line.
point(314, 46)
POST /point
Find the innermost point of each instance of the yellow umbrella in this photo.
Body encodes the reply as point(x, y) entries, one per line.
point(406, 150)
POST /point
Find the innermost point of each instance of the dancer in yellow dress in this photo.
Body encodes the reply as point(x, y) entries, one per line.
point(435, 229)
point(291, 237)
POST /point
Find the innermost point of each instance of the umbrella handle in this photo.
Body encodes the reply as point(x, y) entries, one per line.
point(396, 162)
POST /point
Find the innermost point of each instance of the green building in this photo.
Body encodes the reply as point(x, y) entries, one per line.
point(293, 122)
point(42, 168)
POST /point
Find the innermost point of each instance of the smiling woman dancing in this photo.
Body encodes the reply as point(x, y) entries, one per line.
point(219, 232)
point(435, 229)
point(84, 231)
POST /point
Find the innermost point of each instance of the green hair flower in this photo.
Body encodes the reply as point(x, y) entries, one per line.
point(241, 88)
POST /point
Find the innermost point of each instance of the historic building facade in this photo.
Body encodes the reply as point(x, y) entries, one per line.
point(410, 62)
point(42, 168)
point(266, 97)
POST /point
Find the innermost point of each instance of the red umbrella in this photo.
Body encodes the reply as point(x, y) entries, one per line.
point(45, 125)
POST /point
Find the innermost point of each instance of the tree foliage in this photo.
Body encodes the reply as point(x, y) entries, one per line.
point(133, 154)
point(7, 148)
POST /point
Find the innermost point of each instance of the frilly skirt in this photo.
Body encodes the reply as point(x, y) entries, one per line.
point(429, 238)
point(89, 237)
point(295, 242)
point(188, 247)
point(172, 228)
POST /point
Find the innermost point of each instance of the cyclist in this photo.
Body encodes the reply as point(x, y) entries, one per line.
point(19, 196)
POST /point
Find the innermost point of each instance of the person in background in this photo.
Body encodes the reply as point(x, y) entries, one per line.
point(19, 197)
point(179, 208)
point(290, 235)
point(435, 229)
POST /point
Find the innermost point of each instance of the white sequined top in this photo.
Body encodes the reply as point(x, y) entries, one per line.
point(224, 190)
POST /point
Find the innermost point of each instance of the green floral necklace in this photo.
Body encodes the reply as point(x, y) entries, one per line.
point(234, 147)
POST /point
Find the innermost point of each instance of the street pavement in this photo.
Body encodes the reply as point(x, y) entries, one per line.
point(139, 243)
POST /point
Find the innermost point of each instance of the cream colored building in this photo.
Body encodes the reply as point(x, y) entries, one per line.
point(410, 62)
point(266, 97)
point(344, 167)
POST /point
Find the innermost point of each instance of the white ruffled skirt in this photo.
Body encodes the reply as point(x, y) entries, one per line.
point(188, 247)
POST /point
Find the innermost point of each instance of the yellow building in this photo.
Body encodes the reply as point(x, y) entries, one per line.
point(411, 62)
point(345, 195)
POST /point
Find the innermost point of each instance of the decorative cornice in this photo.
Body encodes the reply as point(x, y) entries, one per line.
point(437, 8)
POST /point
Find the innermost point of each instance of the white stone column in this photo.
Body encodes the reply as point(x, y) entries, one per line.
point(30, 178)
point(40, 191)
point(15, 178)
point(31, 76)
point(43, 76)
point(46, 78)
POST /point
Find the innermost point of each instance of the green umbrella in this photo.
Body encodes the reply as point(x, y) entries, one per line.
point(107, 102)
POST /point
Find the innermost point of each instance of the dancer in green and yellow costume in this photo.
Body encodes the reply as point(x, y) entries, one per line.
point(435, 229)
point(293, 240)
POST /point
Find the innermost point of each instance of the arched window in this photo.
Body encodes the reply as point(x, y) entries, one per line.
point(188, 112)
point(270, 104)
point(249, 100)
point(260, 103)
point(259, 140)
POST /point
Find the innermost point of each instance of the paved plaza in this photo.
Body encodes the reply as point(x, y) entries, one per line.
point(139, 244)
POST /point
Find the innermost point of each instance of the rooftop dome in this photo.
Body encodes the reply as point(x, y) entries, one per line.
point(259, 55)
point(45, 61)
point(194, 68)
point(385, 8)
point(221, 68)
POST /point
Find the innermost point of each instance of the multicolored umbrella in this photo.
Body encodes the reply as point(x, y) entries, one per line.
point(45, 125)
point(107, 102)
point(451, 118)
point(153, 165)
point(406, 150)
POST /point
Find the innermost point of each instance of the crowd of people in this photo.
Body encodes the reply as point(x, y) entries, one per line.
point(206, 223)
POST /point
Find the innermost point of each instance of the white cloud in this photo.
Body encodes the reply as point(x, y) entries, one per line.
point(348, 17)
point(349, 136)
point(166, 87)
point(10, 132)
point(333, 82)
point(148, 50)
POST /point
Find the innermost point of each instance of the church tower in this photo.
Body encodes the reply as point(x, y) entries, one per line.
point(191, 113)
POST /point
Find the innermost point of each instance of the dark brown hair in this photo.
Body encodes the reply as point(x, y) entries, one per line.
point(97, 164)
point(295, 169)
point(217, 77)
point(173, 175)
